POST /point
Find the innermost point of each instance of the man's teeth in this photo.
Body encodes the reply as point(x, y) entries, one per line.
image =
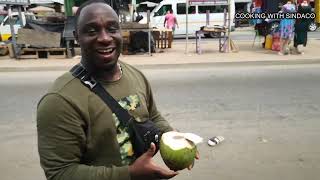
point(105, 50)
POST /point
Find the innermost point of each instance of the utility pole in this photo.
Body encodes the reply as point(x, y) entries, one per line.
point(187, 33)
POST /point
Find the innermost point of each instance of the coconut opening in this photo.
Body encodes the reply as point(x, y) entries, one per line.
point(176, 141)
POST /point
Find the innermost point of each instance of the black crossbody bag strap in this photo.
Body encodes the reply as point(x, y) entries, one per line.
point(81, 73)
point(141, 133)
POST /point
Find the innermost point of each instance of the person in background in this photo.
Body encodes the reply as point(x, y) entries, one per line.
point(301, 27)
point(136, 16)
point(170, 21)
point(286, 28)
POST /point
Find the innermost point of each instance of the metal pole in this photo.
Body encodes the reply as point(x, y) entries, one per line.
point(229, 26)
point(13, 35)
point(317, 10)
point(20, 16)
point(207, 17)
point(133, 8)
point(225, 17)
point(68, 4)
point(149, 32)
point(187, 33)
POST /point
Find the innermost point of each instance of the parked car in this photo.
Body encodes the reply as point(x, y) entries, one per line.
point(196, 15)
point(5, 31)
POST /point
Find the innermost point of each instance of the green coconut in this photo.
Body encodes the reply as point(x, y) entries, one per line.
point(176, 151)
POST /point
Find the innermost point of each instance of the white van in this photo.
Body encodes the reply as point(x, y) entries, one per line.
point(5, 31)
point(196, 15)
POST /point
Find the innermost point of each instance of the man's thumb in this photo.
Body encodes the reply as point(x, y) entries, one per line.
point(152, 150)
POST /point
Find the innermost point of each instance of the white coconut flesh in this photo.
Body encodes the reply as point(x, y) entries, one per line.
point(176, 141)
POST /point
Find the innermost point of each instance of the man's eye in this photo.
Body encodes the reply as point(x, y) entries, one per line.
point(91, 30)
point(113, 29)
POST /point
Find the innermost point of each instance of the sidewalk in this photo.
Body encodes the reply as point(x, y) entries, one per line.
point(177, 55)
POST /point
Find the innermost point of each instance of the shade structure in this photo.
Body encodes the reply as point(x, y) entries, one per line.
point(39, 9)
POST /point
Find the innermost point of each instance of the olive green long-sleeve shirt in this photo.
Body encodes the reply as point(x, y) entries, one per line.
point(77, 133)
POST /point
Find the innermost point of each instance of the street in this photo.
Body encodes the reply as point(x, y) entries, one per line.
point(268, 115)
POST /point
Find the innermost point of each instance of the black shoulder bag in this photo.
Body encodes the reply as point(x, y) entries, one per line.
point(142, 134)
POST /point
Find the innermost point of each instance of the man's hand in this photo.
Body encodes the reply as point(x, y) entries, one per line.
point(197, 157)
point(145, 168)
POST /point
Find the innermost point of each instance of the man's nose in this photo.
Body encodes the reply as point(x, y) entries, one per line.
point(104, 37)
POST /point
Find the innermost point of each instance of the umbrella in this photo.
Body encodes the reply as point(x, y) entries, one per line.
point(58, 1)
point(41, 9)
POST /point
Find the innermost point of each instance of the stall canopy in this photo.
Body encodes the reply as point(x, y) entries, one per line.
point(14, 2)
point(46, 1)
point(40, 9)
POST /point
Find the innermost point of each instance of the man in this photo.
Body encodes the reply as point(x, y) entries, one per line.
point(79, 138)
point(170, 21)
point(301, 28)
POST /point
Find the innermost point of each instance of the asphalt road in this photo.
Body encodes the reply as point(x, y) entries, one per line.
point(269, 116)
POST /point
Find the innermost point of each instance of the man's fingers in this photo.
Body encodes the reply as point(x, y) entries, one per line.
point(151, 150)
point(166, 174)
point(197, 155)
point(191, 166)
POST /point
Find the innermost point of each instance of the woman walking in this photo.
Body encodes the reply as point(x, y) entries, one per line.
point(286, 28)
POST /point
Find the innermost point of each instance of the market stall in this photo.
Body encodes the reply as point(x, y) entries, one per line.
point(222, 32)
point(270, 29)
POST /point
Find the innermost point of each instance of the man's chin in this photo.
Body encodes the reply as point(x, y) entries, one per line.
point(109, 66)
point(106, 64)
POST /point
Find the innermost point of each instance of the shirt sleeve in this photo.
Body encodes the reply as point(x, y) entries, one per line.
point(61, 144)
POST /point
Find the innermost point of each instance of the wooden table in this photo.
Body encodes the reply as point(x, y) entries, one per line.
point(163, 38)
point(221, 32)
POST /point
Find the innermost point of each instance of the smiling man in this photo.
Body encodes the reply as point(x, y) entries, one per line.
point(79, 137)
point(99, 36)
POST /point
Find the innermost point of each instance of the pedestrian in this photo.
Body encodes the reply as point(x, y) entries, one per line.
point(79, 136)
point(136, 16)
point(286, 28)
point(170, 21)
point(301, 27)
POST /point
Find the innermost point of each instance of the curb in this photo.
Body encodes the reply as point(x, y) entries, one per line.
point(179, 65)
point(231, 64)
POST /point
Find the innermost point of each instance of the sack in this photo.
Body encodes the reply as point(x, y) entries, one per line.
point(142, 134)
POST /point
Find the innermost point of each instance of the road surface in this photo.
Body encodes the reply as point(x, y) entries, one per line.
point(269, 116)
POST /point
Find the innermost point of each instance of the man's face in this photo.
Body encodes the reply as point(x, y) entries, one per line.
point(99, 36)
